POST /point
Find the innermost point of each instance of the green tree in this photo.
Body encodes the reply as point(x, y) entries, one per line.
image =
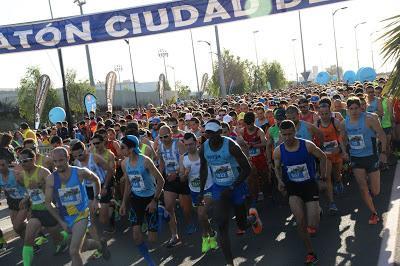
point(391, 52)
point(183, 90)
point(275, 76)
point(26, 96)
point(77, 91)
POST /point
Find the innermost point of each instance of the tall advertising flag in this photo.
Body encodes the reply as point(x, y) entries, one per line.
point(111, 82)
point(204, 81)
point(90, 103)
point(41, 93)
point(161, 88)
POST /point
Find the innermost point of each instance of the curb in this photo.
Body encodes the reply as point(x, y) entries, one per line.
point(390, 236)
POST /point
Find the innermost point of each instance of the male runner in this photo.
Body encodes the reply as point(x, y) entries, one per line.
point(360, 131)
point(66, 187)
point(294, 161)
point(142, 189)
point(190, 170)
point(225, 158)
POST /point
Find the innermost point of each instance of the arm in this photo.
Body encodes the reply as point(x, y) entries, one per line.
point(316, 132)
point(183, 173)
point(278, 168)
point(203, 170)
point(380, 107)
point(343, 140)
point(117, 149)
point(320, 155)
point(380, 134)
point(244, 164)
point(157, 175)
point(126, 188)
point(49, 197)
point(106, 166)
point(86, 174)
point(263, 139)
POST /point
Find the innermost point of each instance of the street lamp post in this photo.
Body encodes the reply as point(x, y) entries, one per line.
point(173, 69)
point(334, 37)
point(195, 64)
point(255, 45)
point(64, 86)
point(163, 54)
point(355, 35)
point(295, 62)
point(133, 75)
point(118, 69)
point(305, 74)
point(220, 64)
point(211, 54)
point(80, 3)
point(372, 49)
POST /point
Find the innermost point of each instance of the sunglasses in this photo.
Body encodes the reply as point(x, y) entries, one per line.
point(174, 126)
point(26, 160)
point(164, 137)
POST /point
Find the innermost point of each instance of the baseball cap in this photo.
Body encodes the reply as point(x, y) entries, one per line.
point(227, 119)
point(280, 114)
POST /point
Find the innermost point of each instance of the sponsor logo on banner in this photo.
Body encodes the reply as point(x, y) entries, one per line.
point(141, 21)
point(111, 82)
point(161, 88)
point(90, 103)
point(40, 99)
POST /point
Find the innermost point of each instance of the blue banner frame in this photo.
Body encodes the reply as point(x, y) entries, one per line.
point(140, 21)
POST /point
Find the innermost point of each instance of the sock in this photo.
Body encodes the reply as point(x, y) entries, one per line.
point(64, 235)
point(27, 255)
point(144, 251)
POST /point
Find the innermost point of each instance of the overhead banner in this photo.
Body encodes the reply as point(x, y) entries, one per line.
point(140, 21)
point(41, 93)
point(111, 82)
point(90, 102)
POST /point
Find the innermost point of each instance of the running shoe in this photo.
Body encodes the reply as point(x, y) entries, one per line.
point(95, 255)
point(205, 245)
point(61, 248)
point(240, 232)
point(41, 240)
point(257, 224)
point(312, 231)
point(36, 249)
point(374, 219)
point(333, 209)
point(213, 241)
point(191, 229)
point(173, 241)
point(104, 250)
point(311, 259)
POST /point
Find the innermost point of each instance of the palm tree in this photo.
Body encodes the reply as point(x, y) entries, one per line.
point(391, 51)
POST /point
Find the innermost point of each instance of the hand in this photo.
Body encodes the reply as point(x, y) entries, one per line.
point(171, 177)
point(200, 198)
point(95, 205)
point(152, 206)
point(122, 209)
point(281, 186)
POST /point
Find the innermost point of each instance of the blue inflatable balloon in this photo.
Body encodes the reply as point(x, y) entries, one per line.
point(349, 76)
point(323, 78)
point(366, 74)
point(57, 114)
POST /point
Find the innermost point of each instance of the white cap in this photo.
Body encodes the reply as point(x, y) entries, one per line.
point(227, 119)
point(188, 116)
point(212, 126)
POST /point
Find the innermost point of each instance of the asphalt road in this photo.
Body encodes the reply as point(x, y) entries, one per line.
point(345, 239)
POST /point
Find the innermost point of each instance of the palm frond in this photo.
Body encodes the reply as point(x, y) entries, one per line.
point(391, 51)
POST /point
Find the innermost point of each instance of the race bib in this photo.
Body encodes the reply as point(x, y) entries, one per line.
point(254, 152)
point(356, 142)
point(36, 195)
point(330, 146)
point(13, 193)
point(137, 182)
point(298, 173)
point(171, 166)
point(70, 196)
point(194, 182)
point(223, 173)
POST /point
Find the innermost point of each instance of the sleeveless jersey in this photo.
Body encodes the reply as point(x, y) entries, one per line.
point(274, 132)
point(253, 139)
point(170, 157)
point(361, 138)
point(95, 168)
point(373, 106)
point(11, 187)
point(71, 197)
point(297, 166)
point(142, 182)
point(303, 132)
point(194, 174)
point(111, 147)
point(386, 119)
point(331, 136)
point(36, 194)
point(224, 167)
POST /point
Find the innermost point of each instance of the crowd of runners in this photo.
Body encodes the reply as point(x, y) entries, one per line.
point(208, 157)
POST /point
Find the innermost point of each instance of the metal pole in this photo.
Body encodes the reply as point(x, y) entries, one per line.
point(89, 61)
point(372, 49)
point(302, 49)
point(355, 35)
point(255, 45)
point(295, 62)
point(195, 65)
point(133, 75)
point(220, 65)
point(165, 69)
point(334, 36)
point(64, 86)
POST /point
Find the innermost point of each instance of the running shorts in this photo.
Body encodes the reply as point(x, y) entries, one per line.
point(138, 211)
